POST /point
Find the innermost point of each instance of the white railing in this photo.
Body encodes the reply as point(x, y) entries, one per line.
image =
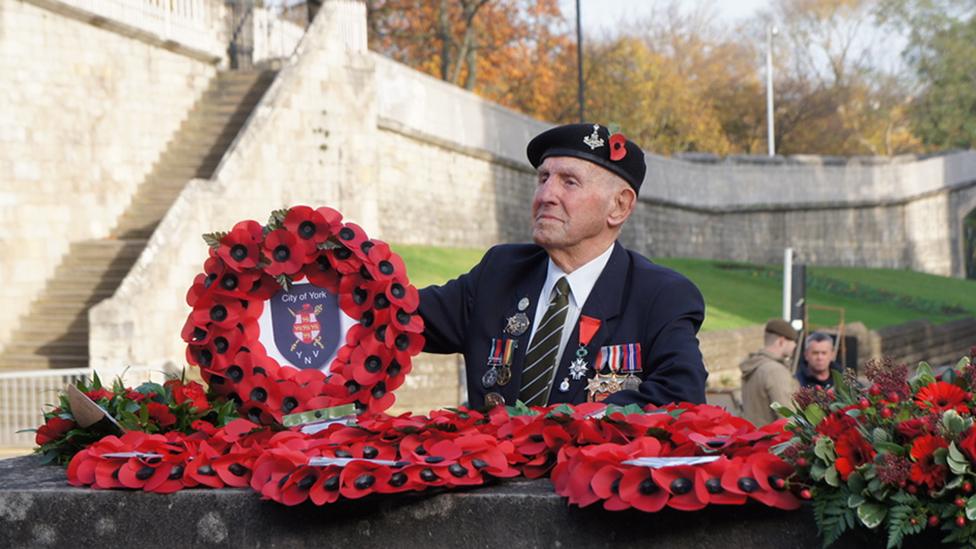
point(24, 396)
point(198, 24)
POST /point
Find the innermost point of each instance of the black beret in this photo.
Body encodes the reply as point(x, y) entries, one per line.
point(591, 142)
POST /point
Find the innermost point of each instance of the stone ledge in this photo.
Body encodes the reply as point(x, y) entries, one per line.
point(39, 509)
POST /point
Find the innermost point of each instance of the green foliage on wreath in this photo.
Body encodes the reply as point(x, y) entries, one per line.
point(832, 514)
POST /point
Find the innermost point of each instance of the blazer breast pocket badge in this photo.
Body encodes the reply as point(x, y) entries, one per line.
point(616, 368)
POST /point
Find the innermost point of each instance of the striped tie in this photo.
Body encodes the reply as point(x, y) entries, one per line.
point(540, 358)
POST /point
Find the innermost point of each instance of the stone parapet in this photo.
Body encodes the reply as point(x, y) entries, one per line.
point(38, 509)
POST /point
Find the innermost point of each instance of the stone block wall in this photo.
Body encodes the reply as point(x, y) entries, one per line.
point(86, 111)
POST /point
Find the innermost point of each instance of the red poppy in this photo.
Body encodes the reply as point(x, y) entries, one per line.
point(320, 273)
point(356, 296)
point(852, 451)
point(771, 473)
point(220, 279)
point(286, 254)
point(711, 474)
point(240, 248)
point(606, 485)
point(925, 470)
point(309, 226)
point(638, 489)
point(941, 396)
point(618, 147)
point(686, 486)
point(354, 238)
point(361, 478)
point(53, 429)
point(326, 487)
point(222, 311)
point(383, 264)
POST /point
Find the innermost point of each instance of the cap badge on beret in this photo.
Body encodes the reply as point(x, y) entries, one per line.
point(594, 141)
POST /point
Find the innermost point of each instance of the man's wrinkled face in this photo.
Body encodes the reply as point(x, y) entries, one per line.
point(819, 355)
point(573, 199)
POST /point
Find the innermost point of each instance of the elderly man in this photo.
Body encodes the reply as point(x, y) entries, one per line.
point(767, 374)
point(819, 358)
point(575, 316)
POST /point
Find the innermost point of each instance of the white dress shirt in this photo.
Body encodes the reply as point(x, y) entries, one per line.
point(581, 282)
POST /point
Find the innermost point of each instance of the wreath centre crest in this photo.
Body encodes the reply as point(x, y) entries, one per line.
point(303, 313)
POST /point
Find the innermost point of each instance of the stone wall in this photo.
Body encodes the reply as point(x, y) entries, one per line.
point(86, 112)
point(415, 160)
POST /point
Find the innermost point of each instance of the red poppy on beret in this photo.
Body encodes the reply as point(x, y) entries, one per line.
point(618, 147)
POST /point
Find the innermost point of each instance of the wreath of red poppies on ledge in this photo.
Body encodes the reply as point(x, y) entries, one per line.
point(251, 263)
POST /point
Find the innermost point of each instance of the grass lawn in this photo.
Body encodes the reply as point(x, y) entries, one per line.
point(751, 294)
point(740, 294)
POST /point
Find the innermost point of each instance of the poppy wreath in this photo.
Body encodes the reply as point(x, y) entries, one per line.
point(251, 263)
point(585, 456)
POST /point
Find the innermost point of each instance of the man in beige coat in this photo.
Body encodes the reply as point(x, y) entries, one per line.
point(767, 375)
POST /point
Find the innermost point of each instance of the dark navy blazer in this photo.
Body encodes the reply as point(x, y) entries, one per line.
point(635, 300)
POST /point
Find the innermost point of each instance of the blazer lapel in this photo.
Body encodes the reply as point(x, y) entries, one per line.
point(604, 303)
point(530, 288)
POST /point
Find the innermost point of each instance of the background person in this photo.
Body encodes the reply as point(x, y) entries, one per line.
point(819, 358)
point(767, 374)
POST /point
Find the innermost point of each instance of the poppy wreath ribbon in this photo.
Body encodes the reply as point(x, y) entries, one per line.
point(251, 264)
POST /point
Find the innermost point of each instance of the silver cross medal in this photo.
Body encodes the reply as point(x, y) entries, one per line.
point(577, 368)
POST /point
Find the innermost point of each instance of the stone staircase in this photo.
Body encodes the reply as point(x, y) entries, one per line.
point(54, 333)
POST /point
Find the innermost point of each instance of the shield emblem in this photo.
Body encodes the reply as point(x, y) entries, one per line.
point(305, 325)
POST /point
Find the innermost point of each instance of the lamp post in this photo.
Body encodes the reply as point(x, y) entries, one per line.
point(770, 130)
point(579, 62)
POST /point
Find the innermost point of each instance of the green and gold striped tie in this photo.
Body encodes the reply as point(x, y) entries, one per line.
point(540, 358)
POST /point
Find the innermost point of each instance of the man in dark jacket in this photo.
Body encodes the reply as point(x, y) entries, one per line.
point(575, 316)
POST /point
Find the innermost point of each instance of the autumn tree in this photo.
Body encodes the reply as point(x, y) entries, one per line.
point(941, 51)
point(516, 52)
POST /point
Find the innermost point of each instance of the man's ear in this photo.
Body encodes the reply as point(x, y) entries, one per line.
point(624, 200)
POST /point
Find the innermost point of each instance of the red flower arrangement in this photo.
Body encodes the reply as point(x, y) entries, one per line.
point(251, 263)
point(898, 456)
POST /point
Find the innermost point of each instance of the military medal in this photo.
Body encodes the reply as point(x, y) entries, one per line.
point(631, 365)
point(564, 386)
point(505, 368)
point(493, 399)
point(499, 362)
point(523, 304)
point(588, 326)
point(606, 381)
point(517, 324)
